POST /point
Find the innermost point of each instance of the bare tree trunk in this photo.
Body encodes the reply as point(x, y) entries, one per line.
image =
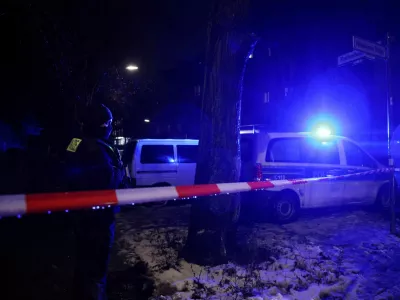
point(212, 229)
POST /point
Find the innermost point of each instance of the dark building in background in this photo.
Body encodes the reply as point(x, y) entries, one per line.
point(178, 107)
point(293, 79)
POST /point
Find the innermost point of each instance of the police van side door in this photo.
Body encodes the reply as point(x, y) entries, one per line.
point(155, 164)
point(295, 158)
point(326, 161)
point(360, 189)
point(187, 156)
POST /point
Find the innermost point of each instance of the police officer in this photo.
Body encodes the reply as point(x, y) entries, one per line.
point(93, 164)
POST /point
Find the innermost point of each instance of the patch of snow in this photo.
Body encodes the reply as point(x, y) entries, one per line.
point(312, 259)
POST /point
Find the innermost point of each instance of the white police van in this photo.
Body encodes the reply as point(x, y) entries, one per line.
point(161, 162)
point(290, 156)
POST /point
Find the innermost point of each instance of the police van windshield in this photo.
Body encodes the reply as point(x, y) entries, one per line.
point(302, 150)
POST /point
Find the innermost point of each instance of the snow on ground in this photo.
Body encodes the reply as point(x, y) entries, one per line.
point(336, 255)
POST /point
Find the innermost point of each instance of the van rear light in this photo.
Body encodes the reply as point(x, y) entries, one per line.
point(258, 174)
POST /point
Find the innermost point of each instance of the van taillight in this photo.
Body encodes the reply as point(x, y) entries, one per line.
point(258, 174)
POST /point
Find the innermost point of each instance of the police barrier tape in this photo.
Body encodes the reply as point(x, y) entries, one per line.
point(17, 205)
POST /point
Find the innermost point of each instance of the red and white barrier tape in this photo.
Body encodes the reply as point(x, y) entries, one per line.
point(17, 205)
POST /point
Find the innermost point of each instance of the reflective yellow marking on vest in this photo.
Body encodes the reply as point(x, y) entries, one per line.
point(73, 145)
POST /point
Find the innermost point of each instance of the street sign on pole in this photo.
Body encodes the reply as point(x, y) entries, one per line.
point(371, 50)
point(350, 57)
point(356, 62)
point(368, 47)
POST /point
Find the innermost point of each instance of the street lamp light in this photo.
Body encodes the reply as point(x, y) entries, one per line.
point(146, 120)
point(132, 68)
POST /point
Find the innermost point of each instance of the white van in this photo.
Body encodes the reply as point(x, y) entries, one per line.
point(161, 162)
point(293, 156)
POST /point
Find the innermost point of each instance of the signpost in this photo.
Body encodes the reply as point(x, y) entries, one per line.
point(350, 57)
point(366, 49)
point(354, 57)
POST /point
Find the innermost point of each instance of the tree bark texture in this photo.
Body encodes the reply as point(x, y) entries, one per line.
point(212, 228)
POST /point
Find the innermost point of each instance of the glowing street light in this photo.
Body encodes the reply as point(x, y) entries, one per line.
point(132, 68)
point(146, 120)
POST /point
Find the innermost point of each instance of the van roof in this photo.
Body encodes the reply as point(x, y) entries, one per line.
point(275, 134)
point(167, 140)
point(281, 134)
point(296, 134)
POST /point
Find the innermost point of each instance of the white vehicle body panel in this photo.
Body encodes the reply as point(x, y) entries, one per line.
point(169, 170)
point(353, 190)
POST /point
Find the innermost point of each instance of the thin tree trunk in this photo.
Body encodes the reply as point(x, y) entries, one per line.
point(213, 219)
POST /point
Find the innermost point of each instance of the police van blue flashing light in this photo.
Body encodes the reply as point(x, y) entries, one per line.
point(323, 132)
point(323, 125)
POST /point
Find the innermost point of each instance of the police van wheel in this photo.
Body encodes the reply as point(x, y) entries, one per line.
point(286, 207)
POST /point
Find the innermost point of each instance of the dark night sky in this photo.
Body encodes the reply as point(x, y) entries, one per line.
point(160, 34)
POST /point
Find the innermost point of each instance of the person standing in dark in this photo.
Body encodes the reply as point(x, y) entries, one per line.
point(93, 164)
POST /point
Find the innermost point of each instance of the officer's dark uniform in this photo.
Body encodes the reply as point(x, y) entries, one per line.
point(93, 164)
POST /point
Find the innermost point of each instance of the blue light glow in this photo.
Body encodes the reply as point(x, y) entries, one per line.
point(323, 131)
point(323, 125)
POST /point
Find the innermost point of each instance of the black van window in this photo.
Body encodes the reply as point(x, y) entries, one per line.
point(284, 150)
point(315, 151)
point(157, 154)
point(356, 157)
point(303, 150)
point(187, 154)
